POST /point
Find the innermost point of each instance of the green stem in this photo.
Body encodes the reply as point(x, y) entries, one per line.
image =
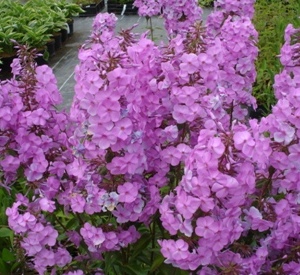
point(153, 241)
point(151, 29)
point(59, 222)
point(124, 258)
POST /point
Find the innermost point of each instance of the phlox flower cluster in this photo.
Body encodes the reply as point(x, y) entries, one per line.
point(178, 15)
point(146, 119)
point(148, 7)
point(240, 181)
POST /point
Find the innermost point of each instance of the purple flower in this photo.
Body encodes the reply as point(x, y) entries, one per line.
point(127, 192)
point(206, 227)
point(47, 205)
point(62, 257)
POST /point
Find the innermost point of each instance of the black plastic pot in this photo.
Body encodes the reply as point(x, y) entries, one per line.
point(40, 60)
point(6, 60)
point(64, 35)
point(92, 9)
point(58, 42)
point(260, 112)
point(115, 7)
point(51, 47)
point(70, 23)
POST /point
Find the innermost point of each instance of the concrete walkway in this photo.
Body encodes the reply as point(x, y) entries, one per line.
point(65, 60)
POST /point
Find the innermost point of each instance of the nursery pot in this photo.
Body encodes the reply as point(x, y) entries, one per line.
point(58, 42)
point(64, 35)
point(70, 23)
point(6, 59)
point(92, 9)
point(40, 60)
point(51, 47)
point(114, 6)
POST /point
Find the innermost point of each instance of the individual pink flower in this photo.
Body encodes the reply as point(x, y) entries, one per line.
point(171, 155)
point(47, 205)
point(206, 227)
point(185, 204)
point(127, 192)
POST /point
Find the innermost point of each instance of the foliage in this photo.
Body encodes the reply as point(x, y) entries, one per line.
point(206, 3)
point(270, 20)
point(158, 168)
point(85, 2)
point(122, 2)
point(69, 9)
point(32, 23)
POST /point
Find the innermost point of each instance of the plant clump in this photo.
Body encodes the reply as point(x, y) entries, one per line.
point(158, 168)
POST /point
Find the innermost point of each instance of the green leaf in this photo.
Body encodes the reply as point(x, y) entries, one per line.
point(157, 263)
point(5, 232)
point(141, 245)
point(7, 255)
point(134, 270)
point(3, 268)
point(72, 223)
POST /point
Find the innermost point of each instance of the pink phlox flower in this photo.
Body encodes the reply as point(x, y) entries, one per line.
point(47, 235)
point(223, 185)
point(37, 167)
point(185, 204)
point(92, 236)
point(216, 145)
point(45, 258)
point(24, 222)
point(206, 227)
point(292, 268)
point(77, 168)
point(284, 134)
point(10, 163)
point(171, 132)
point(118, 77)
point(109, 111)
point(37, 117)
point(186, 95)
point(182, 113)
point(111, 240)
point(62, 257)
point(77, 202)
point(243, 141)
point(44, 74)
point(123, 215)
point(171, 155)
point(32, 244)
point(257, 221)
point(47, 205)
point(76, 272)
point(180, 250)
point(128, 192)
point(132, 162)
point(123, 128)
point(109, 201)
point(74, 237)
point(184, 150)
point(185, 226)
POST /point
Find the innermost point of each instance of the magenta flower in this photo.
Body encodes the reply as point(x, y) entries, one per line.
point(206, 227)
point(62, 257)
point(77, 202)
point(10, 164)
point(171, 155)
point(127, 192)
point(185, 204)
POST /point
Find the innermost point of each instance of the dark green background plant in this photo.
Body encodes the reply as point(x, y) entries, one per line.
point(270, 20)
point(206, 3)
point(32, 23)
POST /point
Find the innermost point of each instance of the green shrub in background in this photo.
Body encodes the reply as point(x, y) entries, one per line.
point(270, 20)
point(206, 3)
